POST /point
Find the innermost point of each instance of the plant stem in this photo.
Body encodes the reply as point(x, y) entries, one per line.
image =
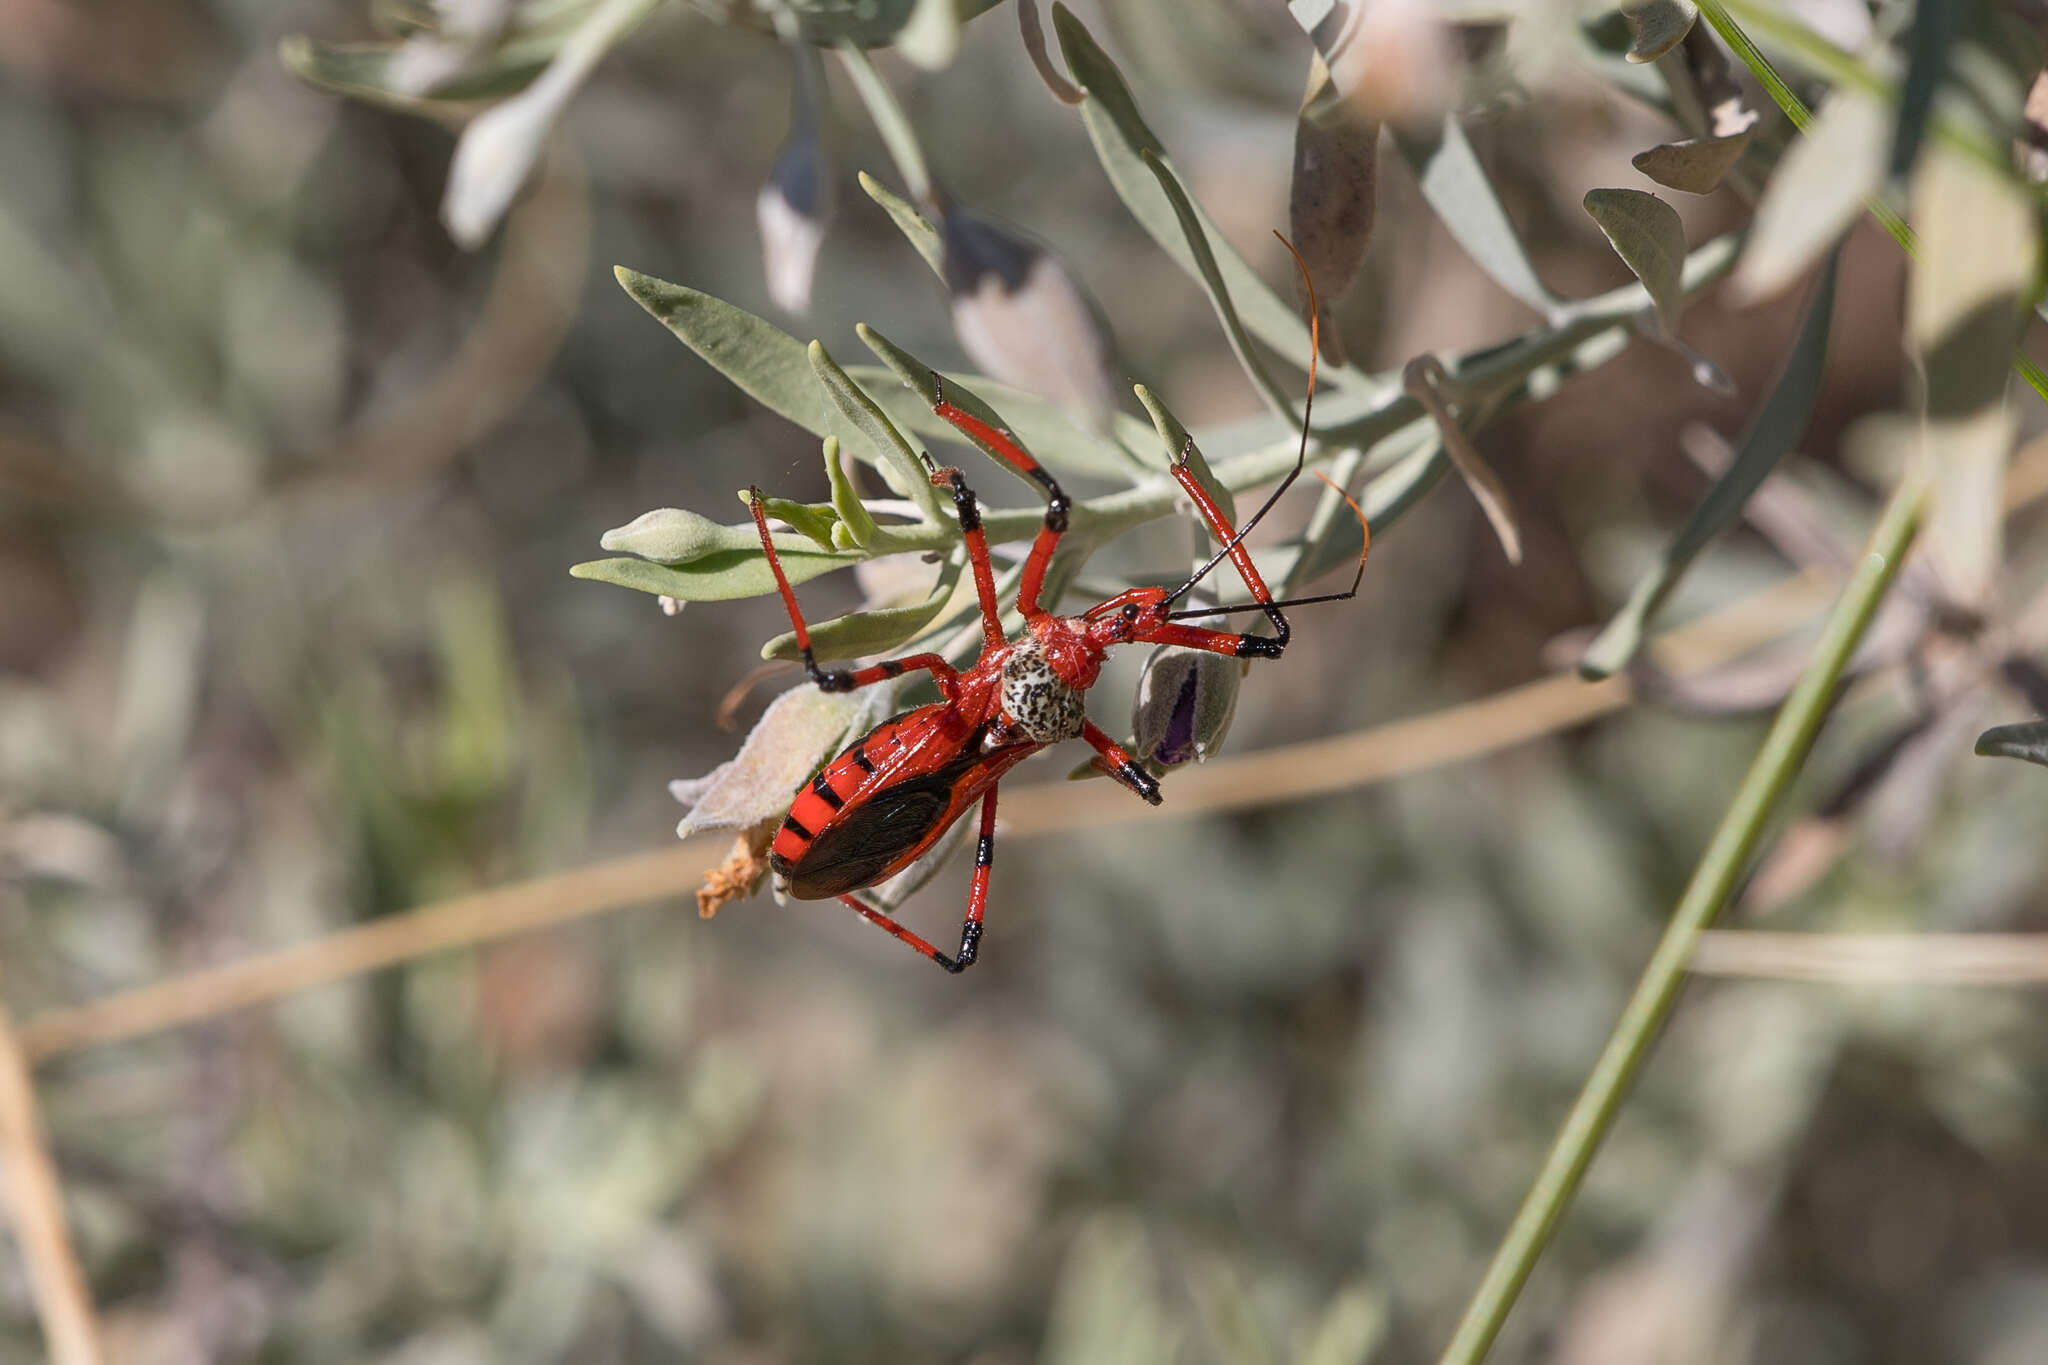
point(1784, 751)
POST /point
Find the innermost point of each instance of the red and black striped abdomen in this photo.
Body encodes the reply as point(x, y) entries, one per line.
point(882, 802)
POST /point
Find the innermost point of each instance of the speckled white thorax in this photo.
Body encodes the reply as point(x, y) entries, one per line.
point(1036, 702)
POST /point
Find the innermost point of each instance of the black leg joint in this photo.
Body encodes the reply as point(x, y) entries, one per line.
point(1140, 781)
point(965, 504)
point(1056, 512)
point(827, 679)
point(970, 947)
point(1259, 647)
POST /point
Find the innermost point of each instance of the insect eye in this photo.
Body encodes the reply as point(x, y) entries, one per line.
point(1130, 611)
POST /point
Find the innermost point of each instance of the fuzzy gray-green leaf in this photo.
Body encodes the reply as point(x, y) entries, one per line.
point(721, 576)
point(813, 522)
point(1648, 236)
point(767, 363)
point(871, 632)
point(1783, 417)
point(894, 457)
point(854, 521)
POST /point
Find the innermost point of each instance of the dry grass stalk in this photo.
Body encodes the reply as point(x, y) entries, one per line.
point(458, 923)
point(1876, 959)
point(1450, 735)
point(36, 1202)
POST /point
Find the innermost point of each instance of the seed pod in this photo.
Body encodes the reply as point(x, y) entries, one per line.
point(1185, 700)
point(1023, 318)
point(794, 209)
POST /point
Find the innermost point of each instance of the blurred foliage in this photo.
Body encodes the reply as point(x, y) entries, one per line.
point(289, 481)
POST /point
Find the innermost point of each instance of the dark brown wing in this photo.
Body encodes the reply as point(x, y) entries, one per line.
point(866, 838)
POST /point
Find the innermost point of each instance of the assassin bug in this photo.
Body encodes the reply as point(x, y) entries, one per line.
point(886, 799)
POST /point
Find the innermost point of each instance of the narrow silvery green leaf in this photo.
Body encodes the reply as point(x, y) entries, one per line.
point(1648, 236)
point(859, 527)
point(2027, 740)
point(1043, 430)
point(1212, 279)
point(718, 577)
point(1815, 195)
point(1696, 165)
point(872, 632)
point(1778, 425)
point(767, 363)
point(1978, 248)
point(1462, 194)
point(893, 456)
point(910, 222)
point(1122, 137)
point(1657, 26)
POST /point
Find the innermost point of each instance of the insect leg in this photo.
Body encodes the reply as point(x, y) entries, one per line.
point(1233, 546)
point(910, 938)
point(840, 679)
point(1122, 766)
point(977, 550)
point(1214, 641)
point(1004, 447)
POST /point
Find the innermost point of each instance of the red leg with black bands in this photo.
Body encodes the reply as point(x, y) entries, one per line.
point(1004, 447)
point(889, 926)
point(1233, 544)
point(841, 679)
point(1215, 641)
point(1122, 766)
point(969, 510)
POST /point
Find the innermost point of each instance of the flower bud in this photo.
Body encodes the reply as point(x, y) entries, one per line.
point(1024, 320)
point(1185, 700)
point(794, 210)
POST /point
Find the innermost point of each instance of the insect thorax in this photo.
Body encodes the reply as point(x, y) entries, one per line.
point(1037, 702)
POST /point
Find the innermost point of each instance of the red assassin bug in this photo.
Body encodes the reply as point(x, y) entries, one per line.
point(885, 800)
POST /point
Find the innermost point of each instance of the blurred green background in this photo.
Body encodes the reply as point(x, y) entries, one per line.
point(289, 486)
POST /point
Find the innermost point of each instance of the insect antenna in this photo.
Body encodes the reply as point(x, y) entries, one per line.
point(1300, 455)
point(1364, 526)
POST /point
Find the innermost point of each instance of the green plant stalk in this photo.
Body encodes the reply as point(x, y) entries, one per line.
point(1843, 69)
point(1784, 751)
